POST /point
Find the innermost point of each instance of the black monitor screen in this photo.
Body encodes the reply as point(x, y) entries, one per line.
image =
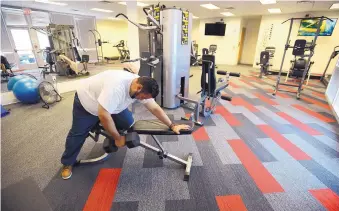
point(215, 29)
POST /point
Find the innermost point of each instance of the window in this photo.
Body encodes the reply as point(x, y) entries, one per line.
point(14, 17)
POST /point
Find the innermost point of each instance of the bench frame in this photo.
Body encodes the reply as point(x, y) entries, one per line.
point(161, 152)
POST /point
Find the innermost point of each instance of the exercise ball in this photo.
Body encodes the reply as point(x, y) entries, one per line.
point(26, 90)
point(13, 81)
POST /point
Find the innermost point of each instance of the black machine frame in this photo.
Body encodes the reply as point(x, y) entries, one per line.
point(310, 47)
point(334, 53)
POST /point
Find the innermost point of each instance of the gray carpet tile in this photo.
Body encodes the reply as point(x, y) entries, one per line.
point(248, 132)
point(328, 141)
point(294, 201)
point(24, 195)
point(326, 177)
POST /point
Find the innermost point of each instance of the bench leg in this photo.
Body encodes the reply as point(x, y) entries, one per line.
point(94, 160)
point(187, 163)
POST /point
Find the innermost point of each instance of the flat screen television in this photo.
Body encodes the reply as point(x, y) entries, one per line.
point(308, 27)
point(215, 29)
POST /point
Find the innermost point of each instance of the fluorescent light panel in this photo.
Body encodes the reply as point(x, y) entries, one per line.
point(51, 2)
point(268, 1)
point(334, 6)
point(274, 10)
point(210, 6)
point(101, 10)
point(227, 14)
point(139, 4)
point(194, 17)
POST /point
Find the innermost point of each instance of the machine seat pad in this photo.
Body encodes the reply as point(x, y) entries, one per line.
point(156, 127)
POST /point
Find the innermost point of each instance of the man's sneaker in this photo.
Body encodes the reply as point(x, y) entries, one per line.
point(66, 172)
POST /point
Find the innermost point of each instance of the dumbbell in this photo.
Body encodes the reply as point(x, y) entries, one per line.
point(109, 145)
point(132, 139)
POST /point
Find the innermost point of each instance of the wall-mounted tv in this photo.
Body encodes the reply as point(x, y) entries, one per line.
point(215, 29)
point(308, 27)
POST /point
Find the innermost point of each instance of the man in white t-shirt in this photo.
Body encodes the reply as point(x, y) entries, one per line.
point(106, 97)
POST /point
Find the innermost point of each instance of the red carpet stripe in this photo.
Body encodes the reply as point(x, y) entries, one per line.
point(200, 135)
point(327, 198)
point(265, 99)
point(262, 178)
point(319, 94)
point(246, 82)
point(230, 203)
point(284, 143)
point(299, 124)
point(238, 101)
point(103, 191)
point(316, 102)
point(228, 116)
point(313, 113)
point(233, 85)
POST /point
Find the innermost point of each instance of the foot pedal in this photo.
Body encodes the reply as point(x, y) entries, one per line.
point(188, 167)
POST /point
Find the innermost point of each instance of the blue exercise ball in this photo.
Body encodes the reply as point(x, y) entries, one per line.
point(13, 81)
point(26, 90)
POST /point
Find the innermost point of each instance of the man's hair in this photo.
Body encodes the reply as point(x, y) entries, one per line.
point(149, 86)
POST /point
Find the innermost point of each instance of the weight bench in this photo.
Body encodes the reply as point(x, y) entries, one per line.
point(143, 127)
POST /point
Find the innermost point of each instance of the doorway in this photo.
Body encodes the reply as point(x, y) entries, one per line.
point(241, 43)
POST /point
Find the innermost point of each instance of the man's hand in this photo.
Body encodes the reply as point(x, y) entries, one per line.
point(177, 128)
point(121, 142)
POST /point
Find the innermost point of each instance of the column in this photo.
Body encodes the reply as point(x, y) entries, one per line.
point(133, 31)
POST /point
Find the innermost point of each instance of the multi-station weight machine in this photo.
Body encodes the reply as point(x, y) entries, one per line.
point(166, 57)
point(299, 48)
point(62, 54)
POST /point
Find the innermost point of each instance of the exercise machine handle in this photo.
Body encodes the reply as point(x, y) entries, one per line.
point(226, 98)
point(144, 9)
point(234, 74)
point(221, 72)
point(134, 60)
point(136, 24)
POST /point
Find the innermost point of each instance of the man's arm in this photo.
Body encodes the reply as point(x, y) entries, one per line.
point(157, 111)
point(108, 123)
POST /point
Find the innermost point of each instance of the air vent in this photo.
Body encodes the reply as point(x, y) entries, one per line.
point(106, 2)
point(305, 2)
point(75, 10)
point(229, 8)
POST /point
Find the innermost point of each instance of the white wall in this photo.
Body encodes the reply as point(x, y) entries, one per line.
point(195, 30)
point(228, 45)
point(252, 26)
point(279, 34)
point(112, 31)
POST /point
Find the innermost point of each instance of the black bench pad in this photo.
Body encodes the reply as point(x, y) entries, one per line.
point(156, 127)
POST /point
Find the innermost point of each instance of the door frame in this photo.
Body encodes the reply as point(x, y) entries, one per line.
point(241, 43)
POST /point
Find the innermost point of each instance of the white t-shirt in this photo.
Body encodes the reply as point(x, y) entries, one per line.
point(110, 89)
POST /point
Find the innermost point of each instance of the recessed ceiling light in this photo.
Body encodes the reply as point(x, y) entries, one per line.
point(227, 14)
point(268, 1)
point(195, 17)
point(101, 10)
point(334, 6)
point(210, 6)
point(139, 4)
point(51, 2)
point(274, 10)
